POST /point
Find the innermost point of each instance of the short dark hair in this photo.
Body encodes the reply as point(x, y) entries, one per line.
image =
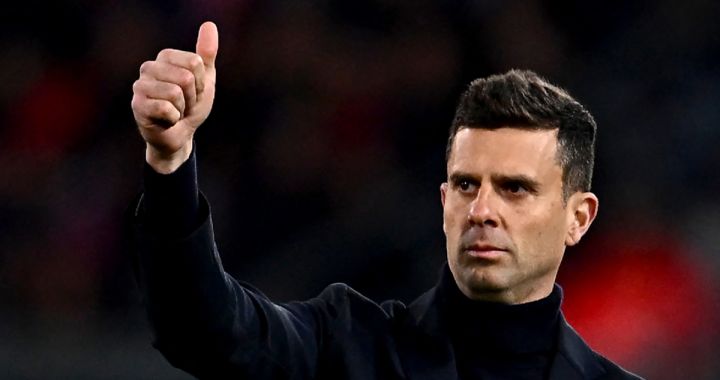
point(522, 99)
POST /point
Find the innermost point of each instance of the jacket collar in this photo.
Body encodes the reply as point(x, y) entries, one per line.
point(425, 351)
point(574, 358)
point(429, 354)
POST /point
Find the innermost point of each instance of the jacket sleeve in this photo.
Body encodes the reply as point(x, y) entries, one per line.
point(209, 324)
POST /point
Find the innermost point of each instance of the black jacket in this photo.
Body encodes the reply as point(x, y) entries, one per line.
point(215, 327)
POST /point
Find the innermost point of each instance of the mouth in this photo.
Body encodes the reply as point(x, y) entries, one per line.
point(484, 251)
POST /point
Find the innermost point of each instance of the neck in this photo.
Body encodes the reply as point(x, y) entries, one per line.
point(515, 296)
point(522, 327)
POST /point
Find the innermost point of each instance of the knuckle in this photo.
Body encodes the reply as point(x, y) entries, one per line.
point(145, 66)
point(166, 113)
point(137, 86)
point(177, 93)
point(160, 108)
point(135, 103)
point(187, 78)
point(196, 62)
point(164, 53)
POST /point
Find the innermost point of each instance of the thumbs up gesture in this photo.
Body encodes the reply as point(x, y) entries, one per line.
point(172, 97)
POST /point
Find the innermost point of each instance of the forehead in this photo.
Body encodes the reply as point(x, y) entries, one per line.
point(505, 151)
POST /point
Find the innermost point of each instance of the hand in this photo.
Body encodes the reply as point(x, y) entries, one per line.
point(172, 97)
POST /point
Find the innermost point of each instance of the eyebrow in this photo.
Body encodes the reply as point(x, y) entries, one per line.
point(526, 181)
point(456, 177)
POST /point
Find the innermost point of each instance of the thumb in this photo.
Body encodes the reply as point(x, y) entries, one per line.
point(207, 43)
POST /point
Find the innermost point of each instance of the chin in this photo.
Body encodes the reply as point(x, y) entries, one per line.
point(483, 281)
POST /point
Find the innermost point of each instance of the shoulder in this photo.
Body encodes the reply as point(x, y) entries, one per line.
point(614, 371)
point(344, 302)
point(587, 361)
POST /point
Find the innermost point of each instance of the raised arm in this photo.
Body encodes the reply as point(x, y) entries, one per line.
point(204, 321)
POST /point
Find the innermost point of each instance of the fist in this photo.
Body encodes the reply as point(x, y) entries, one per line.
point(173, 96)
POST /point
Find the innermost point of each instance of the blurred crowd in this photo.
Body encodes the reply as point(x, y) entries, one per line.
point(323, 156)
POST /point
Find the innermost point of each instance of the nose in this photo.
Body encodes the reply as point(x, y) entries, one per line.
point(483, 209)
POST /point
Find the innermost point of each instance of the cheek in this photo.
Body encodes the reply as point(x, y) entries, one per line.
point(449, 225)
point(448, 210)
point(541, 234)
point(453, 218)
point(455, 213)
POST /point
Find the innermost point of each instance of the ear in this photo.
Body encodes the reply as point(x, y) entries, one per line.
point(443, 191)
point(582, 210)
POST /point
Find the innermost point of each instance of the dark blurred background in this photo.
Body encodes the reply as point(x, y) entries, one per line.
point(323, 156)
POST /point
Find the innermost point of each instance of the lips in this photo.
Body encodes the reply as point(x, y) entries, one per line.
point(484, 251)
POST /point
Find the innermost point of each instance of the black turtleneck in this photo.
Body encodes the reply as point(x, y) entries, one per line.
point(499, 341)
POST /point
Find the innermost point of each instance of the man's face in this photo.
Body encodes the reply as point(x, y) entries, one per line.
point(503, 213)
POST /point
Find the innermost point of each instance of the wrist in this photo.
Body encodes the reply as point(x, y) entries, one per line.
point(164, 163)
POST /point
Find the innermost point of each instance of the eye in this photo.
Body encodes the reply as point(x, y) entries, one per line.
point(466, 186)
point(514, 187)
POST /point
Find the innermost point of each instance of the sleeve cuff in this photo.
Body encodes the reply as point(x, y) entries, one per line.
point(171, 201)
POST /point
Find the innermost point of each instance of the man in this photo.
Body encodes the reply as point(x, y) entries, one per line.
point(519, 163)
